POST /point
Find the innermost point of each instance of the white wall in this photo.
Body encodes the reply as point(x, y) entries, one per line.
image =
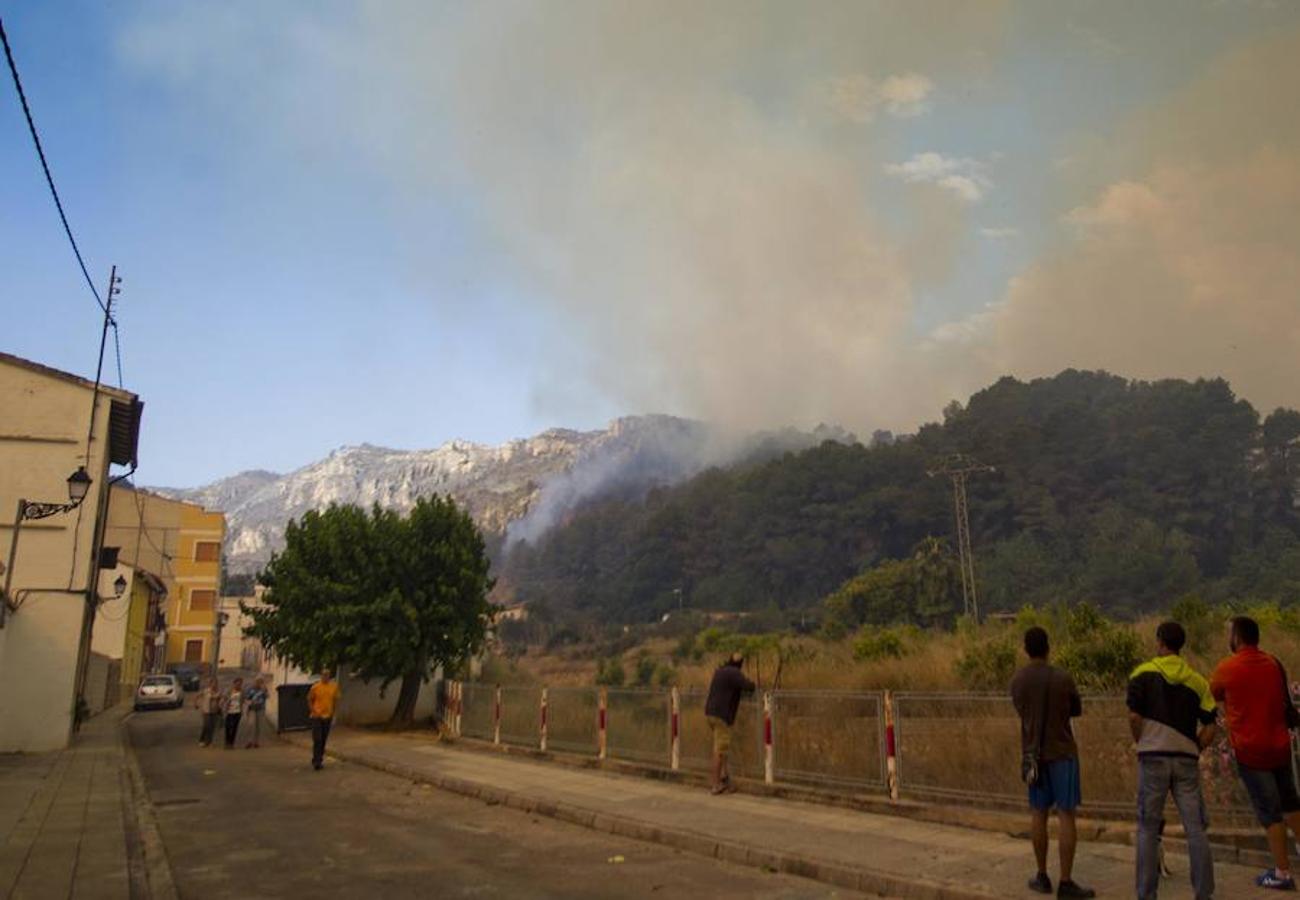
point(360, 703)
point(43, 423)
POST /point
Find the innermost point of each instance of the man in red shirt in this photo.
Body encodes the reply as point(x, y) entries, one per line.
point(1251, 685)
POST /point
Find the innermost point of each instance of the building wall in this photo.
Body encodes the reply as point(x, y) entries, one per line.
point(162, 536)
point(185, 622)
point(360, 704)
point(43, 425)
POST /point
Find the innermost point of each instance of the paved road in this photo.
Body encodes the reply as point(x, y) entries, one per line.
point(261, 823)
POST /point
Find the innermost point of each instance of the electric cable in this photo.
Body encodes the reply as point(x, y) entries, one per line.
point(45, 166)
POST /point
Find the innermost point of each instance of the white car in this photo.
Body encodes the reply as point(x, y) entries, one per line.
point(159, 691)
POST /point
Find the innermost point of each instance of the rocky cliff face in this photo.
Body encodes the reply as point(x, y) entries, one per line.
point(514, 491)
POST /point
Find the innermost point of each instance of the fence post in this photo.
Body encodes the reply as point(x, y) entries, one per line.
point(769, 770)
point(457, 690)
point(496, 716)
point(542, 742)
point(602, 745)
point(891, 748)
point(675, 714)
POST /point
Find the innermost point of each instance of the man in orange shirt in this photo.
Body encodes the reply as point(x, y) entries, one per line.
point(1251, 685)
point(322, 700)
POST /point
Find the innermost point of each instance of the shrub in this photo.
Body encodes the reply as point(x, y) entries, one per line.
point(609, 672)
point(988, 665)
point(645, 670)
point(879, 643)
point(665, 675)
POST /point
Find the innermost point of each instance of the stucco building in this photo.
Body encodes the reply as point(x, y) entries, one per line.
point(59, 434)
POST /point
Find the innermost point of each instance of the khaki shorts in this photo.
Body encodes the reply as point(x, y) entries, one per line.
point(721, 734)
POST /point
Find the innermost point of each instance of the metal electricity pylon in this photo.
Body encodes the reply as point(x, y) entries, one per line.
point(959, 467)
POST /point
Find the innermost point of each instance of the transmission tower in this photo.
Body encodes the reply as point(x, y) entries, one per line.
point(958, 468)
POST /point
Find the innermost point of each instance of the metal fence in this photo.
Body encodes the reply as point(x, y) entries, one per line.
point(825, 737)
point(573, 719)
point(521, 716)
point(638, 725)
point(962, 747)
point(478, 716)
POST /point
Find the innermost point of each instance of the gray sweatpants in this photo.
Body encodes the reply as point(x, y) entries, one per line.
point(1158, 777)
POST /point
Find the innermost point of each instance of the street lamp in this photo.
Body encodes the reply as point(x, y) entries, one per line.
point(119, 586)
point(79, 483)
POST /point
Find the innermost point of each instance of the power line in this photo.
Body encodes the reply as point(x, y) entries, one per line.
point(49, 179)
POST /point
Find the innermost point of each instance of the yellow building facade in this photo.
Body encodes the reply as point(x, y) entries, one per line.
point(192, 608)
point(179, 544)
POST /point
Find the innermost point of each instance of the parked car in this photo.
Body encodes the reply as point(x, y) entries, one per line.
point(159, 691)
point(188, 675)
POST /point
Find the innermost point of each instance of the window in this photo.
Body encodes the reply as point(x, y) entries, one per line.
point(194, 650)
point(202, 600)
point(207, 551)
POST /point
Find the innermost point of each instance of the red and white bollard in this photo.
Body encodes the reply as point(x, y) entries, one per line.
point(602, 745)
point(454, 691)
point(769, 768)
point(891, 759)
point(675, 717)
point(541, 744)
point(496, 717)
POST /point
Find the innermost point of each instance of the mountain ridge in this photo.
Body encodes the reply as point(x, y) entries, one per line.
point(515, 491)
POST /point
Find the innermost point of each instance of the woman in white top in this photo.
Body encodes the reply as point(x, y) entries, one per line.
point(234, 708)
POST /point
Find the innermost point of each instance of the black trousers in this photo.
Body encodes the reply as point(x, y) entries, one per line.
point(320, 733)
point(232, 728)
point(209, 726)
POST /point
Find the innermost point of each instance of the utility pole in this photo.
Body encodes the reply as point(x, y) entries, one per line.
point(958, 468)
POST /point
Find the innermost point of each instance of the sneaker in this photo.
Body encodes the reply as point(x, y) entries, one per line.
point(1070, 889)
point(1040, 883)
point(1274, 882)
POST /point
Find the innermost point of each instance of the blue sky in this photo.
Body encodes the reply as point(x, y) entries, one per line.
point(404, 223)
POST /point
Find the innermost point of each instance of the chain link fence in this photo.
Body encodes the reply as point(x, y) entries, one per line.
point(963, 747)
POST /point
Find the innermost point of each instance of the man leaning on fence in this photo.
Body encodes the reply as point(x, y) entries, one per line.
point(1173, 719)
point(1046, 699)
point(720, 711)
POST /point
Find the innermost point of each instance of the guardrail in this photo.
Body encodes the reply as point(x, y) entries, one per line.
point(957, 746)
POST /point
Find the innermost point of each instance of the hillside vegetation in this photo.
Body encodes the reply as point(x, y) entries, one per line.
point(1129, 495)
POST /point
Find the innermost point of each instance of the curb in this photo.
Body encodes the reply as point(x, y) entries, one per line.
point(856, 878)
point(151, 873)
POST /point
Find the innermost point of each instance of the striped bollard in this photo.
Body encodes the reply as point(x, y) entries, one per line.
point(602, 746)
point(496, 716)
point(542, 735)
point(891, 758)
point(457, 690)
point(769, 769)
point(675, 716)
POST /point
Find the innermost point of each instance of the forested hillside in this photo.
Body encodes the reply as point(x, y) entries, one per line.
point(1127, 494)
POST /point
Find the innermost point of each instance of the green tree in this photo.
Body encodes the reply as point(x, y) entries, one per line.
point(393, 597)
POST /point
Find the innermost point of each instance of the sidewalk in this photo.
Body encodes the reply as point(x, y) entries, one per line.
point(66, 818)
point(874, 853)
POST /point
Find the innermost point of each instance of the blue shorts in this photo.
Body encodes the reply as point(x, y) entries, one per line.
point(1272, 792)
point(1058, 785)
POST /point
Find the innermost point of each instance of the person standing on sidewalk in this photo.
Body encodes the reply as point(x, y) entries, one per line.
point(322, 700)
point(1257, 705)
point(255, 698)
point(233, 705)
point(1173, 719)
point(1046, 699)
point(208, 703)
point(720, 712)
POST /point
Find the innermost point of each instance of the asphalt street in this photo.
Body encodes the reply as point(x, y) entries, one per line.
point(261, 823)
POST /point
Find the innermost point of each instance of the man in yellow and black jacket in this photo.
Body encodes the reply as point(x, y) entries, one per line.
point(1173, 719)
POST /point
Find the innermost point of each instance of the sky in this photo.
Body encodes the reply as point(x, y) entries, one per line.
point(407, 222)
